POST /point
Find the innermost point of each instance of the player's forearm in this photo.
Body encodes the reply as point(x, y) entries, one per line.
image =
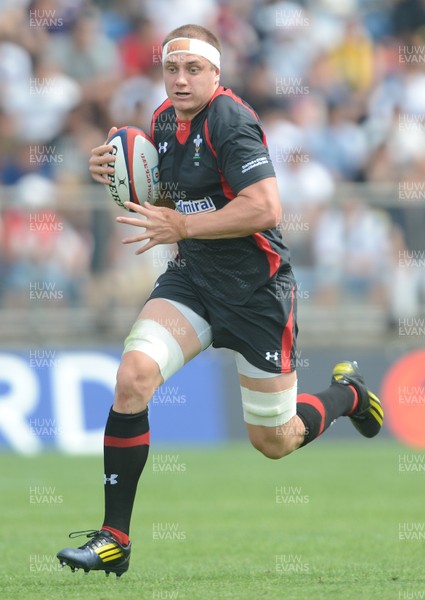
point(243, 216)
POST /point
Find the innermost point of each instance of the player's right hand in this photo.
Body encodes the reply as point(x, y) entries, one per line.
point(99, 159)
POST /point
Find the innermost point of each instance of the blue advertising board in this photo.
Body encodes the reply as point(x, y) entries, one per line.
point(51, 399)
point(59, 399)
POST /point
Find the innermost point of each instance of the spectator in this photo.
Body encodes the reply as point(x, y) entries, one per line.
point(352, 250)
point(341, 145)
point(25, 159)
point(328, 254)
point(42, 250)
point(166, 18)
point(140, 49)
point(88, 56)
point(407, 291)
point(407, 17)
point(305, 185)
point(39, 104)
point(135, 100)
point(353, 57)
point(367, 256)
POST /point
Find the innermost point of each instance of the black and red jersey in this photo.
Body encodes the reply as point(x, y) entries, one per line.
point(204, 163)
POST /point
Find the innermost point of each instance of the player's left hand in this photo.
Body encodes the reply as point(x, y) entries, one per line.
point(162, 225)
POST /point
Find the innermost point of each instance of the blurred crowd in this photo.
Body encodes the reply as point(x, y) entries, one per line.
point(339, 86)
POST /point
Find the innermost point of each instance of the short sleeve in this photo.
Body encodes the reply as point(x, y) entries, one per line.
point(239, 142)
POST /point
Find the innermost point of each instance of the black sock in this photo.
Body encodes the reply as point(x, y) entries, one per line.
point(126, 448)
point(318, 411)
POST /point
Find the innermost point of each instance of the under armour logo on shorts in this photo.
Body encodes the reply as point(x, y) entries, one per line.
point(112, 479)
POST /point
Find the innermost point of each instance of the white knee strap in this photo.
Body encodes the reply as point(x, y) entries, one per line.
point(156, 341)
point(270, 409)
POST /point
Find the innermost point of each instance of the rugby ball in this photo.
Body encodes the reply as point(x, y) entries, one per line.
point(136, 177)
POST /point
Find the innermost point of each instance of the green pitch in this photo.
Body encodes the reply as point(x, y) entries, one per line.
point(334, 520)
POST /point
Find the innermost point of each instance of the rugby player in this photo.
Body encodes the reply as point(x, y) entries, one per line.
point(230, 285)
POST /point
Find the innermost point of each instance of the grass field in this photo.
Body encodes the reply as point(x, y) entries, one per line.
point(335, 520)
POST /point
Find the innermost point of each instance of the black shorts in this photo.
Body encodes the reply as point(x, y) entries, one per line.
point(263, 330)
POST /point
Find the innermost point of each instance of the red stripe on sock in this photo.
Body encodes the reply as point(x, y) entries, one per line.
point(120, 536)
point(138, 440)
point(356, 401)
point(317, 404)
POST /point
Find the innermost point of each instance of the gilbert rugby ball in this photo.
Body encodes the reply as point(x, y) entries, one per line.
point(136, 177)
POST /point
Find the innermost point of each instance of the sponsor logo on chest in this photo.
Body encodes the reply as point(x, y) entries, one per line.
point(189, 207)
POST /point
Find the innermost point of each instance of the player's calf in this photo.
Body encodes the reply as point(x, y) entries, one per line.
point(277, 442)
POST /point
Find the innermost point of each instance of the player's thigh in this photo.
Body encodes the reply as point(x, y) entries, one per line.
point(165, 336)
point(179, 324)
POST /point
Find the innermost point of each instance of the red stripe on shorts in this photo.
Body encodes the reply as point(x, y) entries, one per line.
point(288, 339)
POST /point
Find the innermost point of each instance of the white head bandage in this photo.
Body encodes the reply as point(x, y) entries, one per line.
point(191, 46)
